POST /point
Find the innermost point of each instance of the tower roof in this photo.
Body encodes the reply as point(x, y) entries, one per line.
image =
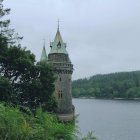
point(58, 37)
point(58, 46)
point(44, 54)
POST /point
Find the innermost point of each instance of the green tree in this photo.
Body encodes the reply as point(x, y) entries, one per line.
point(133, 92)
point(6, 90)
point(31, 83)
point(38, 90)
point(5, 34)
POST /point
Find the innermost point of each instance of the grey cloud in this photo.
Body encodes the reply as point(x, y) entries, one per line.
point(102, 36)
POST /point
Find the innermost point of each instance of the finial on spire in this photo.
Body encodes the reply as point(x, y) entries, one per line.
point(44, 43)
point(58, 25)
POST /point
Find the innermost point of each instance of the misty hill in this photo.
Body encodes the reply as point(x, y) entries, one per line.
point(114, 85)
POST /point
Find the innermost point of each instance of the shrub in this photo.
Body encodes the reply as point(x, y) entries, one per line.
point(16, 125)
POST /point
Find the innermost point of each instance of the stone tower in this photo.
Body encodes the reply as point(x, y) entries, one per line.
point(63, 68)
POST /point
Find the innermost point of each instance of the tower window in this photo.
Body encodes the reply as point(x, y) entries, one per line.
point(60, 94)
point(59, 45)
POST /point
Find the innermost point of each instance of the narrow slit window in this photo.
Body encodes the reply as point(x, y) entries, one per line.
point(61, 93)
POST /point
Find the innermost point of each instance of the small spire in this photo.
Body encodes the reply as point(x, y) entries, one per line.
point(44, 43)
point(44, 54)
point(58, 25)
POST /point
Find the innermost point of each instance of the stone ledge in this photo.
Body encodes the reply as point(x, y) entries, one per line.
point(65, 117)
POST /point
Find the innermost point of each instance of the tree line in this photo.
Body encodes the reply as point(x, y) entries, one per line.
point(115, 85)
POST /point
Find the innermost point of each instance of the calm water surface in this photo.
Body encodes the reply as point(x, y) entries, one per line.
point(109, 119)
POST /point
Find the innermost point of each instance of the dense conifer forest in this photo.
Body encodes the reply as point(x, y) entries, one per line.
point(115, 85)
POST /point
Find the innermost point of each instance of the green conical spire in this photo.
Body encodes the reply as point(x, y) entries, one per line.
point(58, 46)
point(44, 54)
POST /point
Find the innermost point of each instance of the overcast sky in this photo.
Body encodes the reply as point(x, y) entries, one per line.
point(102, 36)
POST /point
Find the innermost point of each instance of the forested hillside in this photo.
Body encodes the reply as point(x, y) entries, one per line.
point(115, 85)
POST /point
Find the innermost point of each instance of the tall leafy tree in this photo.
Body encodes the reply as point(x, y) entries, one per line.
point(37, 92)
point(22, 82)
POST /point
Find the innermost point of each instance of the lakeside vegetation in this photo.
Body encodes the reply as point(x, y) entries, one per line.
point(16, 125)
point(124, 85)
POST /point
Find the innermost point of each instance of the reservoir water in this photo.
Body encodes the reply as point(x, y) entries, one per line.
point(109, 119)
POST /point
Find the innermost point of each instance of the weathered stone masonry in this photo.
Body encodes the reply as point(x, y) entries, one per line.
point(63, 68)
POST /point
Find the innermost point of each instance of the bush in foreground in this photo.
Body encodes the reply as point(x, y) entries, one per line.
point(16, 125)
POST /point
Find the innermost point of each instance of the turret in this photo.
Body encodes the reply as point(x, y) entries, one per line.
point(63, 68)
point(43, 54)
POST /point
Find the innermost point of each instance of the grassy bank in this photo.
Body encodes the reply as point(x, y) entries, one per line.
point(16, 125)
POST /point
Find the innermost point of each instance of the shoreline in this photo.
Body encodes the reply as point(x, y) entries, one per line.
point(106, 98)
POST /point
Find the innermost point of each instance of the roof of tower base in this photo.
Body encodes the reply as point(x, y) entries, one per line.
point(58, 46)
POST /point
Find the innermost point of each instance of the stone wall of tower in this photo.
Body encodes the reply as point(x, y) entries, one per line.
point(63, 70)
point(63, 91)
